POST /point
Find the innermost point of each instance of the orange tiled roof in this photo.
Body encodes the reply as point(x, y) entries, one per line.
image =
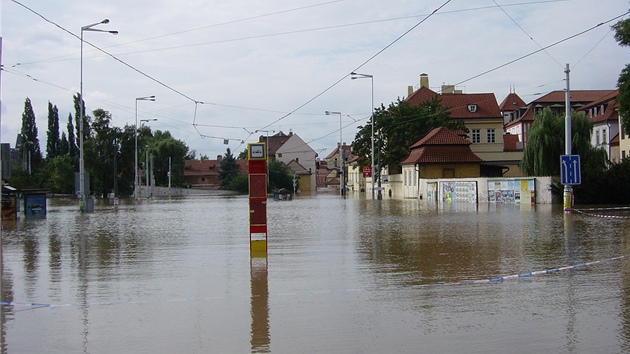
point(458, 103)
point(577, 96)
point(512, 102)
point(441, 145)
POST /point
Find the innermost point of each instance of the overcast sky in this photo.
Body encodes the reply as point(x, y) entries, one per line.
point(278, 65)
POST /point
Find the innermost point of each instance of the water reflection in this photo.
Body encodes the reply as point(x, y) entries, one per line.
point(349, 275)
point(259, 303)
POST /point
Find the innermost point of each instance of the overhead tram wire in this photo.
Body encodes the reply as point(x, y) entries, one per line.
point(107, 53)
point(358, 67)
point(591, 50)
point(527, 34)
point(542, 49)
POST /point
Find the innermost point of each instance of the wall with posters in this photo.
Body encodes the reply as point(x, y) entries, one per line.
point(512, 191)
point(528, 190)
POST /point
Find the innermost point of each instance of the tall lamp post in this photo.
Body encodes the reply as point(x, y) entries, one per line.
point(135, 133)
point(88, 28)
point(146, 175)
point(341, 174)
point(371, 77)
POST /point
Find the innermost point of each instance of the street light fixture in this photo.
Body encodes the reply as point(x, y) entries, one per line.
point(341, 174)
point(81, 160)
point(371, 77)
point(135, 133)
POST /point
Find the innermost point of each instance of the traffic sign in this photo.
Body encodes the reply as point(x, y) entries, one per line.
point(570, 173)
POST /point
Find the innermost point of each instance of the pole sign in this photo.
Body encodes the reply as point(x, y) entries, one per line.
point(367, 171)
point(257, 177)
point(570, 173)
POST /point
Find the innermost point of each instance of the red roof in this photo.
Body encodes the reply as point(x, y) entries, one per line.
point(441, 145)
point(209, 167)
point(512, 103)
point(442, 136)
point(461, 105)
point(577, 96)
point(274, 142)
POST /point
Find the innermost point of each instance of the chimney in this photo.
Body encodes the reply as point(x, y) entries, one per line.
point(424, 80)
point(409, 90)
point(219, 158)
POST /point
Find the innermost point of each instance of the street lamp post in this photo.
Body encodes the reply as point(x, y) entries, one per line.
point(371, 77)
point(146, 175)
point(135, 133)
point(341, 174)
point(88, 28)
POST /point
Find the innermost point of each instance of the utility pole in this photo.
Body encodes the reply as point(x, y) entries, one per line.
point(568, 189)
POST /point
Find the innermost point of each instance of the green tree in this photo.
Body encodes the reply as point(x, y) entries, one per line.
point(168, 150)
point(73, 151)
point(229, 169)
point(99, 153)
point(78, 112)
point(64, 148)
point(239, 183)
point(52, 135)
point(279, 176)
point(58, 175)
point(125, 146)
point(398, 127)
point(29, 151)
point(545, 144)
point(622, 35)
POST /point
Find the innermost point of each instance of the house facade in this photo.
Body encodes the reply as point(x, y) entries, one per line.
point(301, 159)
point(442, 153)
point(481, 114)
point(204, 173)
point(605, 118)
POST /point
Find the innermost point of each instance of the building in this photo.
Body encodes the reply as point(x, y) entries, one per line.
point(521, 121)
point(204, 173)
point(481, 114)
point(442, 153)
point(335, 161)
point(605, 118)
point(301, 159)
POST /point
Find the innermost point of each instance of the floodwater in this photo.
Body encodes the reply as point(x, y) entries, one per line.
point(340, 276)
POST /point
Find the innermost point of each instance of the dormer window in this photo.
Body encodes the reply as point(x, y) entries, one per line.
point(472, 108)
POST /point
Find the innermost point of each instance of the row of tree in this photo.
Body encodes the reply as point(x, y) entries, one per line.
point(109, 153)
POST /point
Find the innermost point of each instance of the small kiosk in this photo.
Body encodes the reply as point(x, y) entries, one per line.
point(9, 203)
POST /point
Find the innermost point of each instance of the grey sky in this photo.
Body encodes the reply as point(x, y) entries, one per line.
point(254, 62)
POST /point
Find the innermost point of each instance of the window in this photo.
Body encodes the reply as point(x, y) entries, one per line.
point(604, 139)
point(597, 140)
point(476, 136)
point(490, 136)
point(623, 154)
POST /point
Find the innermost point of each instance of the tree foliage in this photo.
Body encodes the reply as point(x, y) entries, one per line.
point(29, 150)
point(622, 35)
point(53, 141)
point(397, 127)
point(545, 144)
point(109, 153)
point(99, 152)
point(279, 176)
point(229, 169)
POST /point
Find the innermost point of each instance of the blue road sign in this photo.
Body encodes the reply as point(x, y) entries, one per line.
point(570, 173)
